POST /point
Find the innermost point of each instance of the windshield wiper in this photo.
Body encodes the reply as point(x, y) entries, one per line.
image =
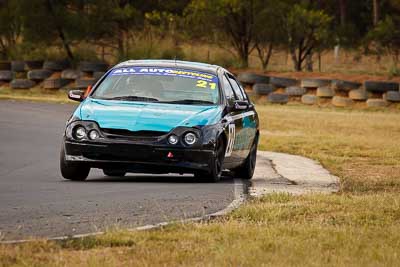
point(132, 98)
point(189, 101)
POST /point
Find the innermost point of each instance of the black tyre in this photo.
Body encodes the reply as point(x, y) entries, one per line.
point(88, 66)
point(57, 65)
point(392, 96)
point(114, 173)
point(22, 84)
point(263, 89)
point(246, 171)
point(18, 66)
point(6, 75)
point(55, 83)
point(97, 75)
point(70, 74)
point(295, 91)
point(278, 98)
point(34, 64)
point(215, 171)
point(380, 87)
point(282, 82)
point(71, 170)
point(341, 85)
point(39, 75)
point(314, 82)
point(252, 78)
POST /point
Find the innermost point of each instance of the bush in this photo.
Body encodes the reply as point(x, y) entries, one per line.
point(173, 53)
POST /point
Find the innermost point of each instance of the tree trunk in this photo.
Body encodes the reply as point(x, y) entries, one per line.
point(343, 14)
point(60, 30)
point(375, 9)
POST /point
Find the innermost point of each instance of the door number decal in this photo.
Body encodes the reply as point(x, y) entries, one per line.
point(231, 140)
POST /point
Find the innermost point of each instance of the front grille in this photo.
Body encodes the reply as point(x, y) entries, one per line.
point(126, 134)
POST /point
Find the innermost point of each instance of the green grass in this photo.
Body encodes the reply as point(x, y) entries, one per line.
point(359, 226)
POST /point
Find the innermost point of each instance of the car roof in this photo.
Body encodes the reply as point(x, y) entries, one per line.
point(171, 63)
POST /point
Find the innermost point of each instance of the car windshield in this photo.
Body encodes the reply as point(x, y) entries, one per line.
point(154, 84)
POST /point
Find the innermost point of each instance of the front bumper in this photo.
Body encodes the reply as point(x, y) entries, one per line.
point(138, 158)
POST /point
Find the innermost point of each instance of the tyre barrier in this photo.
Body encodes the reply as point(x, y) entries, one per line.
point(22, 84)
point(70, 74)
point(55, 83)
point(340, 101)
point(281, 82)
point(39, 75)
point(377, 103)
point(252, 78)
point(263, 88)
point(358, 95)
point(6, 75)
point(56, 65)
point(277, 98)
point(84, 83)
point(34, 64)
point(18, 66)
point(309, 99)
point(98, 74)
point(5, 65)
point(314, 83)
point(341, 85)
point(89, 66)
point(325, 92)
point(392, 96)
point(295, 91)
point(380, 87)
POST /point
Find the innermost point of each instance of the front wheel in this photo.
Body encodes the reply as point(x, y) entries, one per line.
point(215, 170)
point(73, 170)
point(246, 171)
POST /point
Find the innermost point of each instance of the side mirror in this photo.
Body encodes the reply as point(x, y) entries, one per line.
point(240, 105)
point(76, 95)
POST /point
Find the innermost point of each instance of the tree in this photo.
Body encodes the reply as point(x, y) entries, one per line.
point(233, 20)
point(10, 27)
point(270, 30)
point(386, 35)
point(307, 30)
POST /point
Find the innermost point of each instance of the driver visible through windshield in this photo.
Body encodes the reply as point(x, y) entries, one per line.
point(156, 84)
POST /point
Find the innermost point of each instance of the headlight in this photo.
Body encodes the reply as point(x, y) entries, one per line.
point(93, 135)
point(80, 132)
point(190, 138)
point(173, 139)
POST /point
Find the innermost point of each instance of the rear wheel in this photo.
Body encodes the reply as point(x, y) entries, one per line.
point(215, 170)
point(113, 173)
point(246, 171)
point(72, 170)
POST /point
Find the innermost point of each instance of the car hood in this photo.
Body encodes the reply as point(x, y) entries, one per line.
point(142, 116)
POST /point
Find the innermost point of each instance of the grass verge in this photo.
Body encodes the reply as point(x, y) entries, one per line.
point(358, 226)
point(34, 94)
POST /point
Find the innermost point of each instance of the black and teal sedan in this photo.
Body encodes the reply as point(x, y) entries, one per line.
point(162, 116)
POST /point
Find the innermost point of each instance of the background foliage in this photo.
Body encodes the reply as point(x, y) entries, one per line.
point(121, 29)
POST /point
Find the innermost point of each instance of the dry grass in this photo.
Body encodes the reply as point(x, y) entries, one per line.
point(34, 94)
point(359, 226)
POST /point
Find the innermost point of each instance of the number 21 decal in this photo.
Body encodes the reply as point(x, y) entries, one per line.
point(205, 84)
point(231, 140)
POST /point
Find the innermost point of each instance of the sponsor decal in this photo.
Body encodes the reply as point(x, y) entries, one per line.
point(204, 80)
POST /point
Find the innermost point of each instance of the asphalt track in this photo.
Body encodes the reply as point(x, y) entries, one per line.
point(35, 201)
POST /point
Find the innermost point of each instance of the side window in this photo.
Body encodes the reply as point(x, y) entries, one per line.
point(242, 90)
point(236, 88)
point(229, 94)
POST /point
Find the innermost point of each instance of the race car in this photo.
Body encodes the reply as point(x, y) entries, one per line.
point(162, 116)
